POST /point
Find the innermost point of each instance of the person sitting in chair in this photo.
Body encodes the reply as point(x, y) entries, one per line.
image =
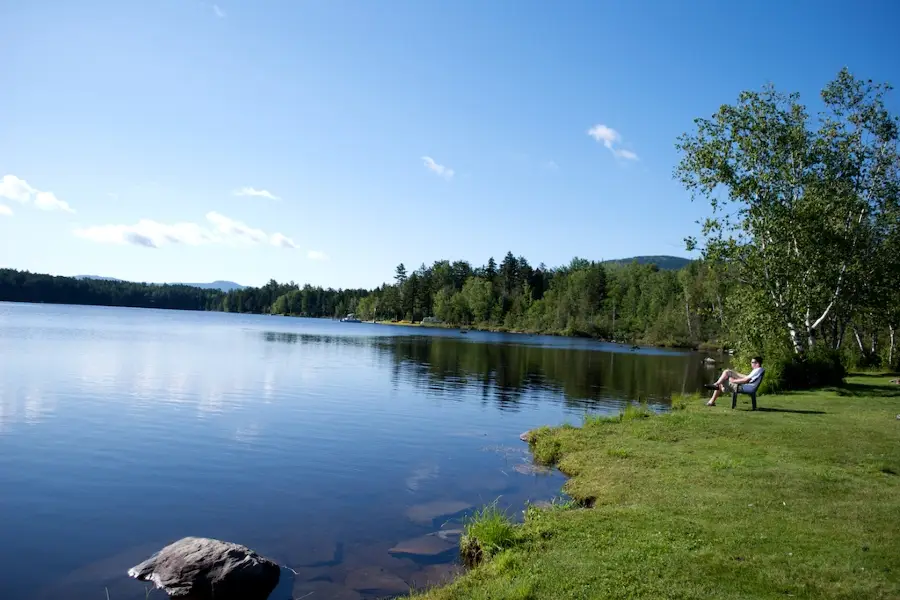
point(737, 381)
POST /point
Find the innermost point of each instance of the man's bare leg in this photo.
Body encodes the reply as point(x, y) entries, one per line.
point(720, 385)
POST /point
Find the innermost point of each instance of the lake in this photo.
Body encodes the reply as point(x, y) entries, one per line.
point(320, 444)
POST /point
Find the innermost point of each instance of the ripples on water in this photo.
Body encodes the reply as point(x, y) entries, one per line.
point(311, 441)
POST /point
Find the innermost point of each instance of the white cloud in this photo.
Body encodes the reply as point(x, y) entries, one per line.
point(626, 154)
point(550, 165)
point(316, 255)
point(149, 233)
point(14, 188)
point(218, 11)
point(281, 241)
point(5, 211)
point(236, 229)
point(153, 234)
point(440, 170)
point(250, 191)
point(610, 138)
point(49, 201)
point(604, 134)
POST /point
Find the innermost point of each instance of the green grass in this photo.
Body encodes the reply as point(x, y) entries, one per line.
point(485, 533)
point(798, 500)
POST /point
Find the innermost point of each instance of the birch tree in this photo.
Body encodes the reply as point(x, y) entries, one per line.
point(796, 203)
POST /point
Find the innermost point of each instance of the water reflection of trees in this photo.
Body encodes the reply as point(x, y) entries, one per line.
point(506, 371)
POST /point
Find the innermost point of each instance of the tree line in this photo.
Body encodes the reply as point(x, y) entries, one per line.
point(626, 302)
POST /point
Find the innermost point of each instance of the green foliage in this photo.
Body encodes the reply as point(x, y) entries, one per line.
point(805, 214)
point(486, 533)
point(817, 368)
point(22, 286)
point(785, 370)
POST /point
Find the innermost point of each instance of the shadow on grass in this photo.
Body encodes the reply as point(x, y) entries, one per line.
point(790, 410)
point(880, 375)
point(867, 389)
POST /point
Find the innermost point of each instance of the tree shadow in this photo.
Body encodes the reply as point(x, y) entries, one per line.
point(891, 390)
point(795, 411)
point(881, 375)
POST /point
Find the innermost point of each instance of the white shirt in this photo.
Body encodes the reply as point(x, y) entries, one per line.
point(755, 375)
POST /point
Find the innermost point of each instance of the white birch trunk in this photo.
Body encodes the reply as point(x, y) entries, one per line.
point(859, 342)
point(891, 349)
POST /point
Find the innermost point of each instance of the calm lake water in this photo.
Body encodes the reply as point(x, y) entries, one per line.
point(320, 444)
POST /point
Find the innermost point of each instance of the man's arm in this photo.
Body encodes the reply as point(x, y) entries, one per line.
point(741, 378)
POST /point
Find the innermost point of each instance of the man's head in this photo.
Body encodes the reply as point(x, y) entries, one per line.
point(756, 362)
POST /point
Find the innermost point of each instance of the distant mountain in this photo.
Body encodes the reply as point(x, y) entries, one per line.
point(97, 277)
point(665, 263)
point(225, 286)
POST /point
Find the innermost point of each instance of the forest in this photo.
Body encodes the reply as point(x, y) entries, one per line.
point(623, 301)
point(799, 255)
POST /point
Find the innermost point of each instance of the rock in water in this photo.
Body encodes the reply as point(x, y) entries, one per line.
point(205, 569)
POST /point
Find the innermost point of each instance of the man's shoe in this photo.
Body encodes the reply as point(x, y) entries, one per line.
point(711, 386)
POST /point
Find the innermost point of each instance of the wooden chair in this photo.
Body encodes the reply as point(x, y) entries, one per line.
point(734, 394)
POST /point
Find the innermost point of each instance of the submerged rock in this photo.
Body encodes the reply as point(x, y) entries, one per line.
point(206, 569)
point(450, 535)
point(426, 545)
point(325, 590)
point(435, 575)
point(428, 512)
point(531, 469)
point(525, 437)
point(375, 580)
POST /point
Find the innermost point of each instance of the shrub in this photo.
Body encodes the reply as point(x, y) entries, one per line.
point(816, 368)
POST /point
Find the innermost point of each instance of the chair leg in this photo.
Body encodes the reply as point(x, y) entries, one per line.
point(734, 399)
point(753, 400)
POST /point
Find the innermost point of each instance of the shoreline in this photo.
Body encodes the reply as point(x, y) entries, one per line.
point(699, 347)
point(798, 498)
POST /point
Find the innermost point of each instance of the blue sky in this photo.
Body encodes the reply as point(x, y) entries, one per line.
point(327, 141)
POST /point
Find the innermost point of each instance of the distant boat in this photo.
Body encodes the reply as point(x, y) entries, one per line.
point(463, 330)
point(351, 318)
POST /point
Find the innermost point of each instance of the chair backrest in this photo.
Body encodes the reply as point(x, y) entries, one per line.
point(755, 386)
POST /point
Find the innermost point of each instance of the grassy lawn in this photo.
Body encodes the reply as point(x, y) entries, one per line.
point(800, 499)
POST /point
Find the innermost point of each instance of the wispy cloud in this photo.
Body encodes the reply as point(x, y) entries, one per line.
point(251, 191)
point(282, 241)
point(219, 229)
point(14, 188)
point(236, 229)
point(550, 165)
point(316, 255)
point(5, 211)
point(610, 138)
point(439, 170)
point(218, 11)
